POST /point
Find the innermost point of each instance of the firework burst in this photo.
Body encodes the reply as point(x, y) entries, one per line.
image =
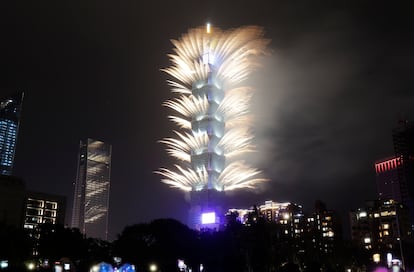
point(211, 106)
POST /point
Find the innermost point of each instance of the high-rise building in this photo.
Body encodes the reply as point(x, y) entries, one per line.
point(324, 227)
point(387, 179)
point(211, 108)
point(380, 227)
point(10, 109)
point(290, 219)
point(91, 192)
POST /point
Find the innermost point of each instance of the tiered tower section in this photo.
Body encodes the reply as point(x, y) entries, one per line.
point(211, 108)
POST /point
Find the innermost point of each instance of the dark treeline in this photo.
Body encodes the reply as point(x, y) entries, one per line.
point(258, 247)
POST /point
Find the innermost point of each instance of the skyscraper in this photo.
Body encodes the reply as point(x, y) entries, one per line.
point(91, 194)
point(10, 108)
point(388, 181)
point(211, 108)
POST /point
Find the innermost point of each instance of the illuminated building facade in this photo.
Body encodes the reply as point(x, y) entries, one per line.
point(206, 202)
point(41, 208)
point(388, 181)
point(290, 219)
point(10, 109)
point(380, 226)
point(273, 211)
point(300, 235)
point(317, 232)
point(211, 109)
point(91, 193)
point(323, 228)
point(285, 213)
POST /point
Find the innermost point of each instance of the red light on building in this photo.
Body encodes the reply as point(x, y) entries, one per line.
point(387, 165)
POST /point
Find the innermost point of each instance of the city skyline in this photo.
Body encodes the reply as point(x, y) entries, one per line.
point(336, 83)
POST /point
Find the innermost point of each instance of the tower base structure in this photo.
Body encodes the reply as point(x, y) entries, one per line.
point(207, 210)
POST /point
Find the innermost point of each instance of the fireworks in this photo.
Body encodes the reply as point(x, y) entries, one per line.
point(212, 109)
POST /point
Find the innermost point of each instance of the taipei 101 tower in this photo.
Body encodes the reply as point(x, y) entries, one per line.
point(211, 110)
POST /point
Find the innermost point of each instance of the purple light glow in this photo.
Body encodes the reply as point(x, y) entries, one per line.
point(208, 218)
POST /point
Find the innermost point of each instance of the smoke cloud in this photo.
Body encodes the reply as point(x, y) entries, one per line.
point(324, 108)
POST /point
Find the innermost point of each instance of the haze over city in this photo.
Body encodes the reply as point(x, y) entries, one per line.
point(336, 81)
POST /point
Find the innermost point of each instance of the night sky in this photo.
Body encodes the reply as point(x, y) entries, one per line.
point(337, 81)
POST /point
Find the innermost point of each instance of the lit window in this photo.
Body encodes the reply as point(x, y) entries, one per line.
point(384, 213)
point(367, 240)
point(376, 257)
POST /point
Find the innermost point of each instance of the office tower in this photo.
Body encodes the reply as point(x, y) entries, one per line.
point(10, 109)
point(91, 194)
point(388, 181)
point(211, 109)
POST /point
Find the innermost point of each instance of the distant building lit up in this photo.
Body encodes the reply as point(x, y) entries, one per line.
point(318, 231)
point(41, 208)
point(380, 226)
point(10, 109)
point(211, 109)
point(324, 226)
point(91, 193)
point(388, 182)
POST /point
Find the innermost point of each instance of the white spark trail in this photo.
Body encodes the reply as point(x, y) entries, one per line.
point(211, 106)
